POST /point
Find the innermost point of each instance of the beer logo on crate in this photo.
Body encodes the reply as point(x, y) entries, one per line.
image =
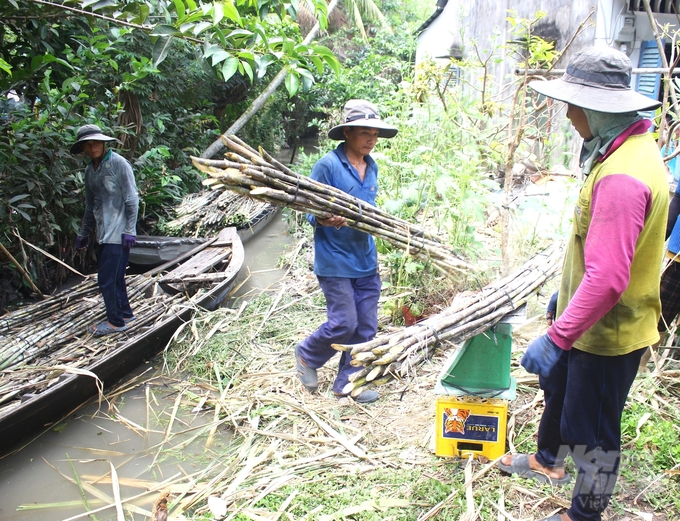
point(463, 424)
point(454, 420)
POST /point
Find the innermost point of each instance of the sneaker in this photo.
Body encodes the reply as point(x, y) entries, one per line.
point(367, 396)
point(306, 374)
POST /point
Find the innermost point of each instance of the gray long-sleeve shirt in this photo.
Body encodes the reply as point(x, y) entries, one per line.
point(111, 200)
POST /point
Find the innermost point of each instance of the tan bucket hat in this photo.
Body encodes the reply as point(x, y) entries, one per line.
point(597, 78)
point(89, 133)
point(362, 113)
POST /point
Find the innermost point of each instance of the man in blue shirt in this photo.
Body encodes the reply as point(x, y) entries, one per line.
point(345, 259)
point(111, 205)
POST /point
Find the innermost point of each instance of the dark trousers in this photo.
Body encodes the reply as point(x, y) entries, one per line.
point(584, 399)
point(113, 260)
point(670, 295)
point(352, 318)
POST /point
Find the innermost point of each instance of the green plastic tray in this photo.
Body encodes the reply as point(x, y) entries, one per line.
point(483, 362)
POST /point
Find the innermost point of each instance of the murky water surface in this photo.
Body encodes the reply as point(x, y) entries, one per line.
point(73, 460)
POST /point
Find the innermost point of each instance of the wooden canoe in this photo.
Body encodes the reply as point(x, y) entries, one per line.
point(58, 360)
point(153, 250)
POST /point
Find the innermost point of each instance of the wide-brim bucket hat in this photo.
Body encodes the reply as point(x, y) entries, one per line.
point(362, 113)
point(597, 78)
point(89, 133)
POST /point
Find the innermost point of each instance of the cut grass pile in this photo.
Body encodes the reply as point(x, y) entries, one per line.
point(262, 447)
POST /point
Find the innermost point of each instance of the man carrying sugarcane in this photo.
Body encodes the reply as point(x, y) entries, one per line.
point(111, 204)
point(345, 259)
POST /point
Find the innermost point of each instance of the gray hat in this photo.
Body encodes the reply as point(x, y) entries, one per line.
point(89, 133)
point(362, 113)
point(597, 78)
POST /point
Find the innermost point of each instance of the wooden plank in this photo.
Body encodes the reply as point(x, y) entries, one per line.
point(201, 263)
point(204, 277)
point(181, 258)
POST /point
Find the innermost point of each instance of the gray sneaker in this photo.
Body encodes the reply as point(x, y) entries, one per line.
point(367, 396)
point(306, 374)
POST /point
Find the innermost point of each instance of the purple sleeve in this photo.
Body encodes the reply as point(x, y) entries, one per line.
point(620, 205)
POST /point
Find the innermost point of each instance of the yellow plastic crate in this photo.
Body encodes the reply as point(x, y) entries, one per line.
point(467, 425)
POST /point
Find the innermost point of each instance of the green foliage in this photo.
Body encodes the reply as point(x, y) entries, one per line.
point(246, 37)
point(6, 67)
point(536, 52)
point(371, 71)
point(155, 186)
point(652, 435)
point(72, 70)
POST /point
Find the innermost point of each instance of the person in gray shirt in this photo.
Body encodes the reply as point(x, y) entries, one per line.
point(111, 205)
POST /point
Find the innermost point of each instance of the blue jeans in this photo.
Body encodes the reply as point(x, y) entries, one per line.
point(113, 260)
point(352, 318)
point(584, 399)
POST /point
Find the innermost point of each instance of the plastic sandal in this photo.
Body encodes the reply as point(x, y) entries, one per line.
point(105, 329)
point(520, 467)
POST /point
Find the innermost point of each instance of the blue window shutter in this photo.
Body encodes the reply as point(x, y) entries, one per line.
point(649, 84)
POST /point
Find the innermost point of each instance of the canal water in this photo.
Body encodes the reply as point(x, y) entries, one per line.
point(48, 479)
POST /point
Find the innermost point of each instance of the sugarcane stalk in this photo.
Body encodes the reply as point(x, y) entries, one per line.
point(308, 184)
point(298, 182)
point(399, 354)
point(300, 203)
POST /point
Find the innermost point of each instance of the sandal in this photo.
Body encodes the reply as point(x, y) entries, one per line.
point(520, 467)
point(105, 329)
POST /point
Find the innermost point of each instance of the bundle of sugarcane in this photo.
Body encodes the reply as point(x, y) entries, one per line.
point(53, 332)
point(258, 175)
point(203, 213)
point(40, 331)
point(397, 354)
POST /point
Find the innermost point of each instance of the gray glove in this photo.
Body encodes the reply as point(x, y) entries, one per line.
point(541, 356)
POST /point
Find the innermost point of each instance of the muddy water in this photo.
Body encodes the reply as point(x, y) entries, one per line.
point(125, 434)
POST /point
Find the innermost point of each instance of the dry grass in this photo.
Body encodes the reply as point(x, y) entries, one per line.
point(271, 450)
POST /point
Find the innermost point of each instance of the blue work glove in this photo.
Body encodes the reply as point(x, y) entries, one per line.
point(541, 356)
point(81, 242)
point(551, 310)
point(128, 241)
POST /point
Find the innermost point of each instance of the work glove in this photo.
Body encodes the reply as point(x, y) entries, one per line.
point(541, 356)
point(551, 310)
point(128, 241)
point(81, 242)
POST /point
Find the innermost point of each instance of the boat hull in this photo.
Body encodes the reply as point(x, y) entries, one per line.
point(153, 250)
point(73, 390)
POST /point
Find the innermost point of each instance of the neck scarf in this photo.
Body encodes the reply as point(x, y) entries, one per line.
point(605, 128)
